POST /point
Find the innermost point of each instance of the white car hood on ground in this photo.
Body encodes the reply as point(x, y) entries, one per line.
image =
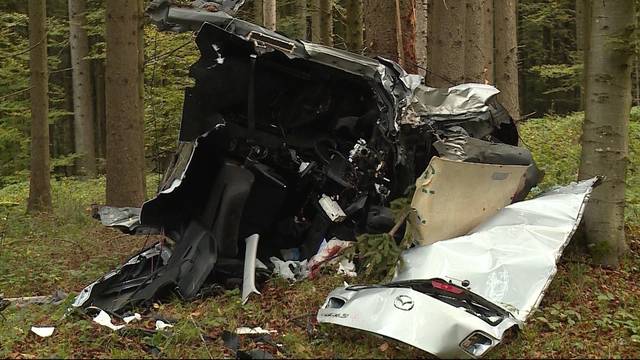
point(508, 260)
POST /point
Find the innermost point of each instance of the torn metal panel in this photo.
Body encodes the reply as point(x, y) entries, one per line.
point(456, 100)
point(511, 258)
point(453, 197)
point(417, 318)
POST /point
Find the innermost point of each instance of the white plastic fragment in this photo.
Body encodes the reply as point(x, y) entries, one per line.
point(43, 331)
point(254, 331)
point(105, 320)
point(135, 316)
point(161, 325)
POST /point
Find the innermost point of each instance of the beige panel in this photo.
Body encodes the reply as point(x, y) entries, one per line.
point(453, 197)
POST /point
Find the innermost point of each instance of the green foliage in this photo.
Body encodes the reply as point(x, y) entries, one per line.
point(550, 71)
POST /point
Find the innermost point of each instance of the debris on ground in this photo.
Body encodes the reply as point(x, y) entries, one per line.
point(43, 331)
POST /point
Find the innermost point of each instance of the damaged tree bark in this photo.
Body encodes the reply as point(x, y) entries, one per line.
point(445, 43)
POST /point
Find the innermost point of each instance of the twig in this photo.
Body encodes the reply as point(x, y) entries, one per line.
point(16, 93)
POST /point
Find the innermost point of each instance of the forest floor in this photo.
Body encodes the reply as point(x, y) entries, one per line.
point(588, 311)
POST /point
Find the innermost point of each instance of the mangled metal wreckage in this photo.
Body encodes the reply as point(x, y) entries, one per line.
point(286, 144)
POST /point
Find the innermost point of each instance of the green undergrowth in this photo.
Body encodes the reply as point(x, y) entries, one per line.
point(587, 311)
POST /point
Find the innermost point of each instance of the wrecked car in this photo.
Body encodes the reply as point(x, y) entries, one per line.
point(286, 144)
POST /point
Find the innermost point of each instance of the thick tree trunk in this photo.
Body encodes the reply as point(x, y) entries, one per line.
point(39, 185)
point(258, 12)
point(605, 137)
point(354, 25)
point(325, 11)
point(479, 42)
point(381, 29)
point(506, 55)
point(82, 101)
point(446, 43)
point(269, 13)
point(125, 138)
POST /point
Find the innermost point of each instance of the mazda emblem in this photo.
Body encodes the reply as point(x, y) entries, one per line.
point(403, 302)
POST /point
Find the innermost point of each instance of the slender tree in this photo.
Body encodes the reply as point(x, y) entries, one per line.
point(125, 153)
point(325, 22)
point(269, 13)
point(39, 182)
point(300, 13)
point(354, 25)
point(478, 60)
point(506, 55)
point(82, 89)
point(605, 131)
point(446, 42)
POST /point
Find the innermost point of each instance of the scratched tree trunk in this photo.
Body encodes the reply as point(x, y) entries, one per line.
point(269, 14)
point(125, 138)
point(446, 43)
point(478, 57)
point(382, 29)
point(354, 26)
point(506, 55)
point(82, 100)
point(605, 138)
point(407, 13)
point(39, 185)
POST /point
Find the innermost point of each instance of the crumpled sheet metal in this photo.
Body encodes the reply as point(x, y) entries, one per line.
point(511, 258)
point(456, 100)
point(453, 197)
point(408, 316)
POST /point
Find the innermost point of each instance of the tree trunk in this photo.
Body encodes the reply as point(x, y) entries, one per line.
point(381, 29)
point(269, 12)
point(354, 25)
point(506, 55)
point(325, 25)
point(582, 40)
point(39, 185)
point(258, 13)
point(407, 13)
point(141, 106)
point(300, 16)
point(125, 138)
point(605, 136)
point(445, 43)
point(421, 34)
point(82, 101)
point(479, 42)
